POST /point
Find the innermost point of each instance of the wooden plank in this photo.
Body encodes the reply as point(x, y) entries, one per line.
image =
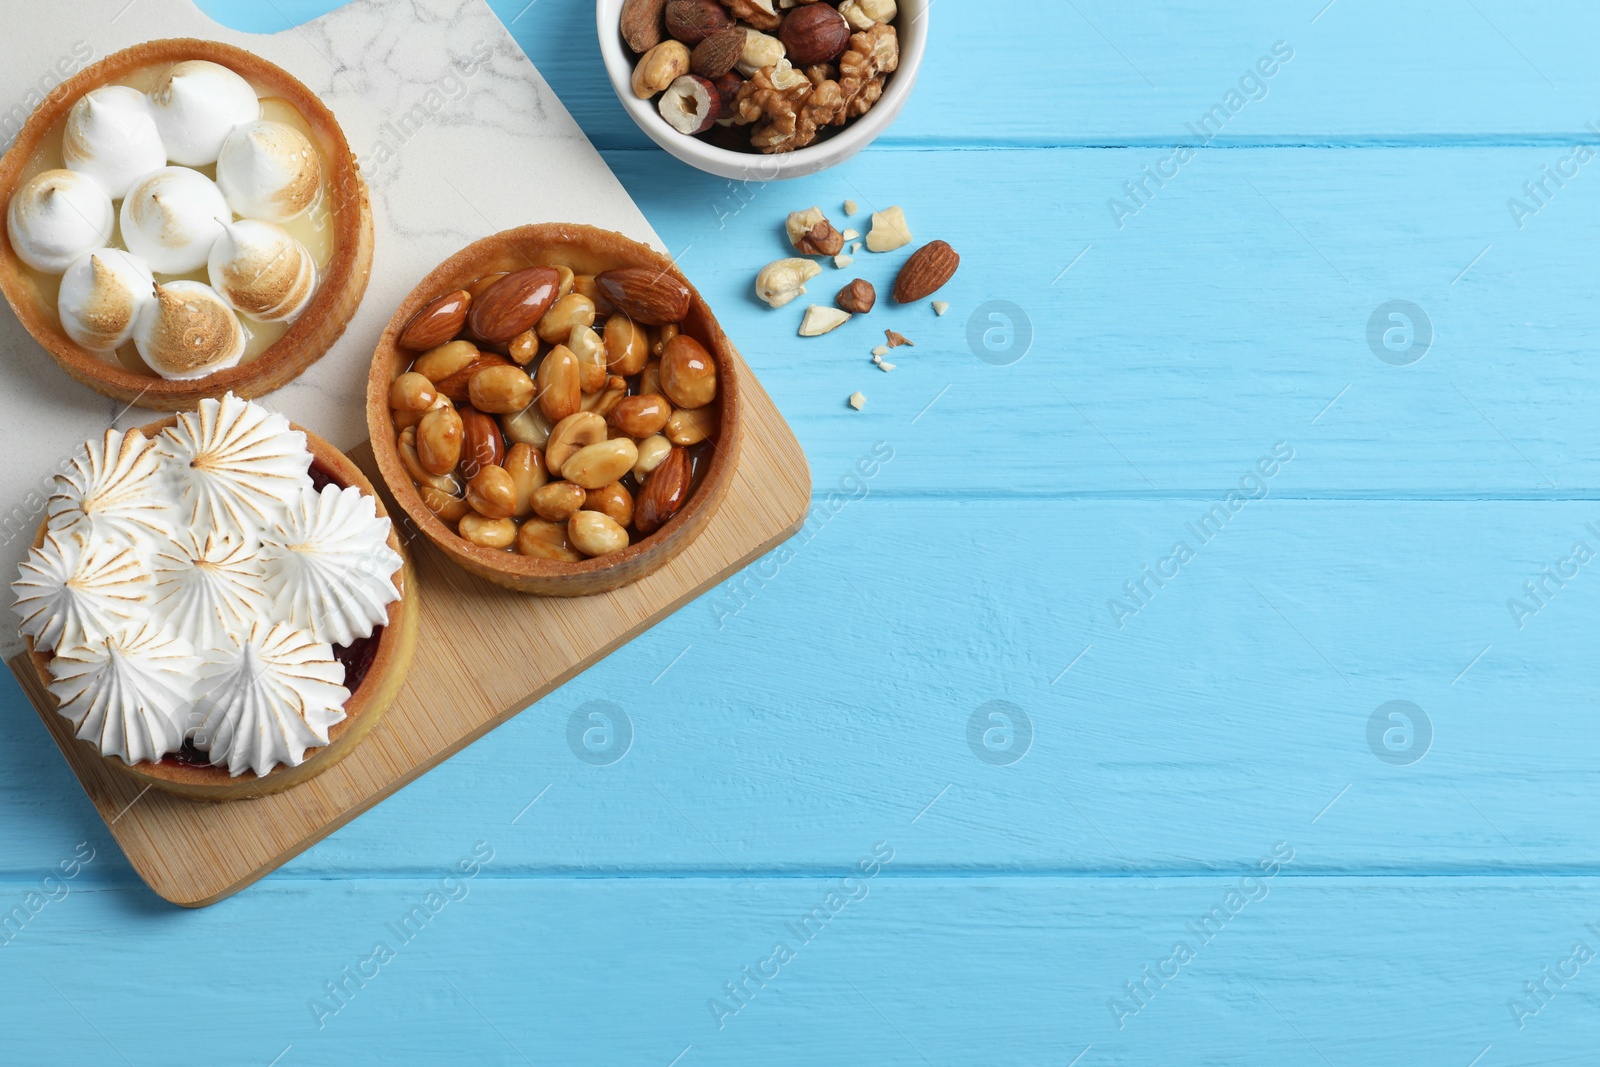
point(484, 654)
point(918, 970)
point(831, 687)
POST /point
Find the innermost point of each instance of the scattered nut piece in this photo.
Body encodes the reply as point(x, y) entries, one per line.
point(840, 262)
point(850, 207)
point(781, 281)
point(876, 359)
point(851, 235)
point(812, 234)
point(896, 340)
point(820, 320)
point(885, 366)
point(855, 246)
point(889, 231)
point(857, 298)
point(941, 306)
point(879, 352)
point(858, 400)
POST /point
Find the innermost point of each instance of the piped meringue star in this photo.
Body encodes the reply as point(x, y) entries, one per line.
point(234, 463)
point(128, 693)
point(70, 590)
point(330, 569)
point(268, 699)
point(111, 490)
point(209, 587)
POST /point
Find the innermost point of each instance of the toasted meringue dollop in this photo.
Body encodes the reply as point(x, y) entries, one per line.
point(329, 565)
point(234, 463)
point(262, 271)
point(209, 587)
point(128, 692)
point(101, 296)
point(111, 491)
point(71, 590)
point(188, 331)
point(267, 699)
point(269, 171)
point(172, 217)
point(196, 105)
point(57, 216)
point(111, 136)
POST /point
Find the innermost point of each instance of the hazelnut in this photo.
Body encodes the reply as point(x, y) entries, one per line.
point(691, 104)
point(857, 298)
point(814, 34)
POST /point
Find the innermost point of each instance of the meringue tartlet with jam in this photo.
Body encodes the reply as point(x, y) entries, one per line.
point(218, 603)
point(183, 219)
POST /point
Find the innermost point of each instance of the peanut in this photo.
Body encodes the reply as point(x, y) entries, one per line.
point(663, 334)
point(574, 309)
point(492, 493)
point(526, 467)
point(640, 416)
point(590, 349)
point(600, 464)
point(486, 532)
point(557, 500)
point(570, 434)
point(546, 540)
point(524, 348)
point(439, 436)
point(560, 389)
point(613, 500)
point(567, 278)
point(437, 364)
point(448, 507)
point(412, 392)
point(690, 426)
point(650, 379)
point(595, 533)
point(652, 450)
point(501, 390)
point(602, 402)
point(688, 373)
point(527, 427)
point(406, 445)
point(627, 346)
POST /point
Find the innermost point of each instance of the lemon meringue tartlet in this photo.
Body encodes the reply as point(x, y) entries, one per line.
point(201, 165)
point(218, 603)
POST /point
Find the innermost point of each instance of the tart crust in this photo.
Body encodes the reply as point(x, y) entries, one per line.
point(339, 290)
point(585, 250)
point(396, 644)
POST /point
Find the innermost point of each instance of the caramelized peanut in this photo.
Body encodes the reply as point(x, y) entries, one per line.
point(412, 392)
point(439, 437)
point(501, 390)
point(688, 373)
point(576, 431)
point(557, 500)
point(485, 532)
point(627, 346)
point(547, 540)
point(640, 416)
point(527, 427)
point(652, 450)
point(492, 493)
point(613, 500)
point(596, 534)
point(556, 325)
point(600, 464)
point(524, 348)
point(437, 364)
point(447, 506)
point(560, 391)
point(690, 426)
point(526, 466)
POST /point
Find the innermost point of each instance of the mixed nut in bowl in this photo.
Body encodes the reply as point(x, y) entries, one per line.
point(557, 409)
point(763, 89)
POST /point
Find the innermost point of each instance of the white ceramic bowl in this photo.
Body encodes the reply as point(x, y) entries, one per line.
point(912, 26)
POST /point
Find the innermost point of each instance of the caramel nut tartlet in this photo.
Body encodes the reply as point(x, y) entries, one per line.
point(183, 219)
point(592, 456)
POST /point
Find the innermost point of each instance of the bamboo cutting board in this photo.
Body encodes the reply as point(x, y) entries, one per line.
point(416, 85)
point(195, 853)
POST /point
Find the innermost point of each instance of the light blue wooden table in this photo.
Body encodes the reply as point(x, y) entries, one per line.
point(1198, 537)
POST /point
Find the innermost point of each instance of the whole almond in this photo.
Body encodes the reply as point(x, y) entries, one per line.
point(926, 272)
point(641, 23)
point(692, 21)
point(440, 321)
point(716, 55)
point(665, 490)
point(647, 296)
point(514, 303)
point(481, 442)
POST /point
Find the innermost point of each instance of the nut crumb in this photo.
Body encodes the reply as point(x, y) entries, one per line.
point(858, 400)
point(851, 208)
point(885, 366)
point(896, 340)
point(851, 235)
point(941, 306)
point(855, 246)
point(841, 261)
point(821, 319)
point(889, 231)
point(880, 351)
point(876, 359)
